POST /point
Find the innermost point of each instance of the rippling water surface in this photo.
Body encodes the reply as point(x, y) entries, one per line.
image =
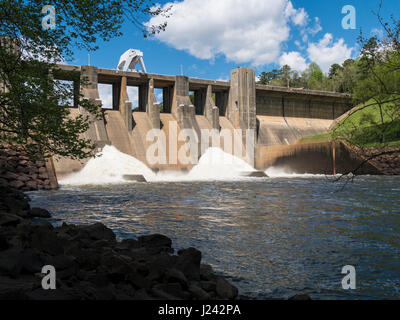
point(272, 237)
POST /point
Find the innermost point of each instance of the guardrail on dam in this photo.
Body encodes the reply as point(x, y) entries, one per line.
point(279, 116)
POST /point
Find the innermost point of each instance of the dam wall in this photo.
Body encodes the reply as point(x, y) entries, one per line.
point(313, 158)
point(272, 116)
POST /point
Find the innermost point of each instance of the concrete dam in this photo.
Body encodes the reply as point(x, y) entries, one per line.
point(278, 116)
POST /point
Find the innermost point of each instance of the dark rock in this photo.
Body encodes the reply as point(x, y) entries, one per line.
point(208, 286)
point(99, 280)
point(225, 290)
point(46, 240)
point(16, 184)
point(32, 185)
point(60, 262)
point(138, 280)
point(198, 292)
point(98, 231)
point(174, 275)
point(189, 263)
point(31, 262)
point(10, 176)
point(57, 294)
point(42, 169)
point(302, 297)
point(10, 263)
point(173, 289)
point(207, 273)
point(105, 293)
point(142, 294)
point(40, 213)
point(4, 245)
point(43, 176)
point(16, 289)
point(155, 240)
point(3, 182)
point(23, 178)
point(9, 220)
point(255, 174)
point(134, 177)
point(163, 295)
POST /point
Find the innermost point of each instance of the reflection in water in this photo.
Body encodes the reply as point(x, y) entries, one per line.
point(274, 237)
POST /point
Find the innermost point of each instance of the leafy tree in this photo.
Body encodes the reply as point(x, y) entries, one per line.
point(267, 77)
point(33, 110)
point(313, 76)
point(334, 70)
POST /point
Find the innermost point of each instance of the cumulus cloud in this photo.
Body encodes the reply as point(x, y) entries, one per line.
point(299, 17)
point(326, 52)
point(293, 59)
point(244, 31)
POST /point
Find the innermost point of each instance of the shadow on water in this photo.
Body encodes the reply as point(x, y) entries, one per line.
point(272, 237)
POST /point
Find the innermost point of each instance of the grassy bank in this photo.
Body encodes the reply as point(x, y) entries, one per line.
point(364, 128)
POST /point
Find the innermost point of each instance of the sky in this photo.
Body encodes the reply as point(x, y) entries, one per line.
point(208, 38)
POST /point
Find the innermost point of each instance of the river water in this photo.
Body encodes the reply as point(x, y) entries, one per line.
point(273, 237)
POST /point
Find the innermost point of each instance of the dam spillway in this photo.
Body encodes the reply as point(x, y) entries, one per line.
point(278, 116)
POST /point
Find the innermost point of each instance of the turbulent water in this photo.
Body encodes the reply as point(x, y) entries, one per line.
point(273, 237)
point(111, 165)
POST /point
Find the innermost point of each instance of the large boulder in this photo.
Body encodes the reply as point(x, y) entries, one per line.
point(98, 231)
point(189, 263)
point(225, 290)
point(39, 213)
point(155, 241)
point(9, 220)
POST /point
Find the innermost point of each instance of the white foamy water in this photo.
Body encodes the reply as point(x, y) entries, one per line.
point(278, 172)
point(214, 164)
point(109, 168)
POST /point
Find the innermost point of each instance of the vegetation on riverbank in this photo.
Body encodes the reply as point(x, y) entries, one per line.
point(363, 127)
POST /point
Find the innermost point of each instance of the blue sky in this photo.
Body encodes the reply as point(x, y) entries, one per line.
point(211, 37)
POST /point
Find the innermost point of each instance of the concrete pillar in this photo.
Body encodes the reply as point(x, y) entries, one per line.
point(211, 111)
point(125, 106)
point(241, 109)
point(182, 108)
point(152, 107)
point(89, 89)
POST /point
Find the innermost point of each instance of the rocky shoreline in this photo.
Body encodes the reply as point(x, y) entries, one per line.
point(91, 264)
point(19, 171)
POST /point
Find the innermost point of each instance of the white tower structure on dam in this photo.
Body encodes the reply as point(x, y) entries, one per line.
point(129, 59)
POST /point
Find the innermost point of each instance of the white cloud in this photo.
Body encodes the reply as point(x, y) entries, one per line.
point(133, 95)
point(299, 17)
point(293, 59)
point(105, 94)
point(245, 31)
point(327, 52)
point(377, 33)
